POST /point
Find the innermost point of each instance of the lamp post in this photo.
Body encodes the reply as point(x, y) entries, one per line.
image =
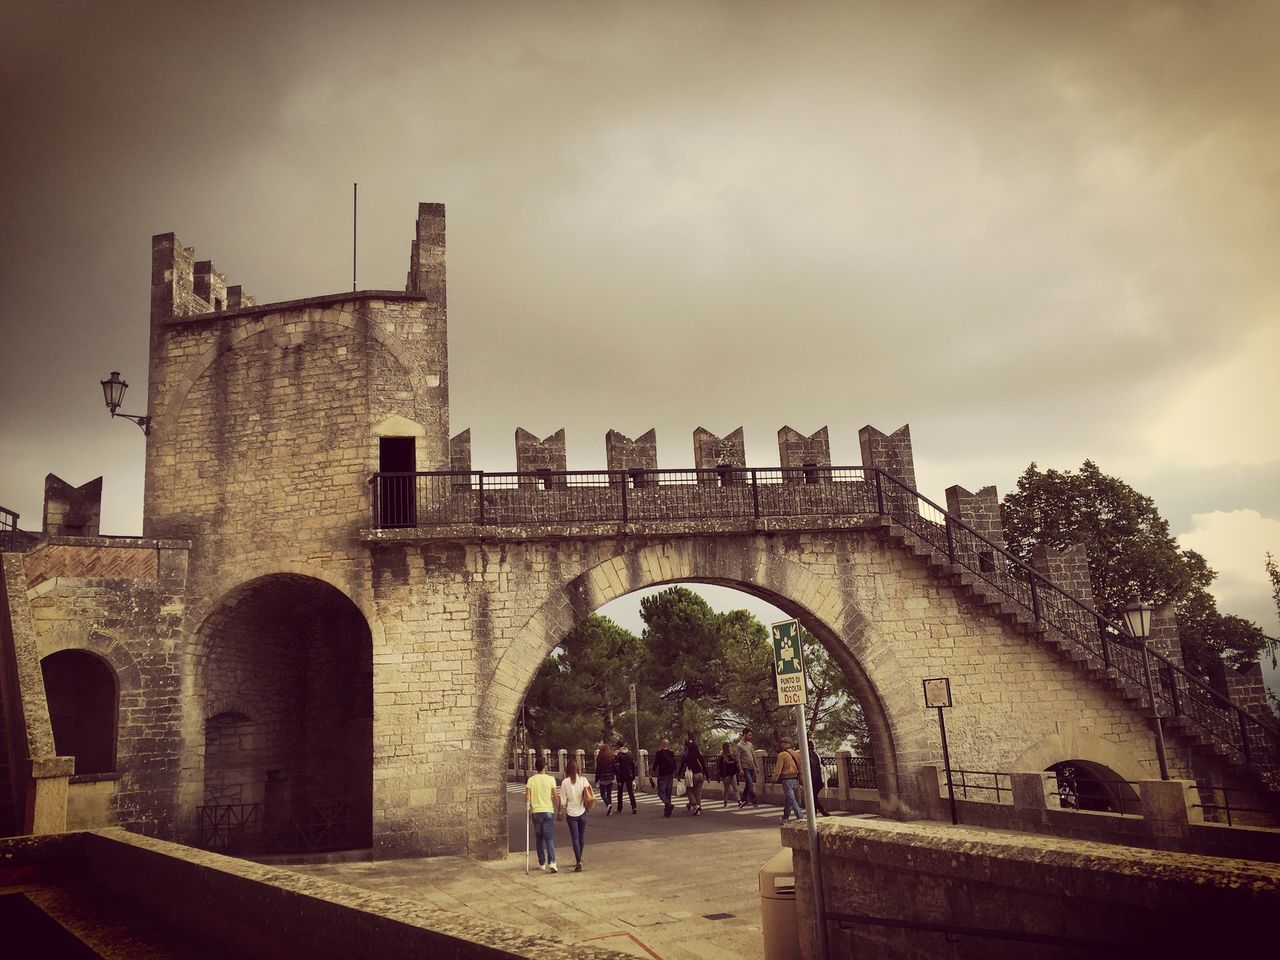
point(113, 389)
point(1137, 617)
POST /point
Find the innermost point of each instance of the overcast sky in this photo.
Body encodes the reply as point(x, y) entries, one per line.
point(1033, 231)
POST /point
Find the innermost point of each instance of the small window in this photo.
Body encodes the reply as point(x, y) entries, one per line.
point(810, 473)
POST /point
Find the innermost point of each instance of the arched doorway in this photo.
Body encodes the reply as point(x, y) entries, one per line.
point(82, 693)
point(285, 674)
point(1085, 785)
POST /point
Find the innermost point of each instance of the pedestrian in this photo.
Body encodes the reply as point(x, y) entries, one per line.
point(664, 768)
point(746, 755)
point(787, 772)
point(727, 770)
point(626, 765)
point(576, 798)
point(606, 773)
point(819, 780)
point(543, 800)
point(694, 769)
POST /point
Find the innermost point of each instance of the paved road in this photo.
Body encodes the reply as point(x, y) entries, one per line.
point(683, 888)
point(646, 823)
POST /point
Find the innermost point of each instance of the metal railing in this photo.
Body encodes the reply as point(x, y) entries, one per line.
point(861, 772)
point(1215, 811)
point(834, 494)
point(8, 529)
point(1086, 791)
point(230, 827)
point(981, 785)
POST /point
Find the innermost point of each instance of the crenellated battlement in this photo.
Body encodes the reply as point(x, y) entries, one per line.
point(182, 286)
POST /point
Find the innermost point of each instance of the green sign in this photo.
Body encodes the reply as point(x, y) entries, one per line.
point(788, 661)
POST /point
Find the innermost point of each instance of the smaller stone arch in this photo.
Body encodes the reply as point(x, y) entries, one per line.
point(1075, 744)
point(83, 695)
point(1085, 785)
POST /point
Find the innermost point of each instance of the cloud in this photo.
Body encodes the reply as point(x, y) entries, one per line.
point(1235, 544)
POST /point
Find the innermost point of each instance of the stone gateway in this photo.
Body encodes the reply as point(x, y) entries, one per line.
point(324, 633)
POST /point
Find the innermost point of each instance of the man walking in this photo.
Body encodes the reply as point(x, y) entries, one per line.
point(664, 767)
point(746, 755)
point(542, 798)
point(787, 773)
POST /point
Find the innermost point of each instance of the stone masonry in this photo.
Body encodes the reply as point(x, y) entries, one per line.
point(275, 642)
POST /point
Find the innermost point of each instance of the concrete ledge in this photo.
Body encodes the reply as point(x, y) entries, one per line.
point(248, 910)
point(963, 879)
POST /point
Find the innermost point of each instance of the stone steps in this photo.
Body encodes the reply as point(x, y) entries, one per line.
point(1022, 620)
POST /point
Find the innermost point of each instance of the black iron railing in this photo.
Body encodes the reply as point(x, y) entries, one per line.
point(862, 772)
point(1218, 804)
point(989, 786)
point(1077, 790)
point(231, 827)
point(8, 529)
point(829, 497)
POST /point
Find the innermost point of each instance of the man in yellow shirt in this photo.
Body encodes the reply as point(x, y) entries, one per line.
point(787, 772)
point(542, 799)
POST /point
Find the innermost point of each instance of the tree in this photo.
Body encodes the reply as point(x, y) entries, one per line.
point(685, 653)
point(1130, 552)
point(582, 688)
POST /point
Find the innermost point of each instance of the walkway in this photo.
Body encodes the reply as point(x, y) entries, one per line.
point(650, 886)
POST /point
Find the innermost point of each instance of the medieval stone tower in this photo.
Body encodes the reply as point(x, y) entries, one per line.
point(267, 424)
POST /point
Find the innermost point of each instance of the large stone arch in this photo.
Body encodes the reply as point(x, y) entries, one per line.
point(290, 657)
point(750, 564)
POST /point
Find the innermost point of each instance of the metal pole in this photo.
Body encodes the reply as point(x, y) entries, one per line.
point(355, 188)
point(815, 850)
point(946, 767)
point(635, 720)
point(1156, 723)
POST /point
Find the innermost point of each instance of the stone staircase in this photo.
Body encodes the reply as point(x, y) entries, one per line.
point(1261, 767)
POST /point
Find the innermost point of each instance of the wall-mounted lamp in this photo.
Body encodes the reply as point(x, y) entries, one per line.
point(113, 389)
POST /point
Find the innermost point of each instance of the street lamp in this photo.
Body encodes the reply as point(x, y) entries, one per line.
point(113, 389)
point(1137, 617)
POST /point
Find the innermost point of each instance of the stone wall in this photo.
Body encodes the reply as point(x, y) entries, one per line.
point(920, 890)
point(463, 628)
point(123, 601)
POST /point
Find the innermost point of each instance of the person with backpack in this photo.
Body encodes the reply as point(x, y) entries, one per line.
point(626, 768)
point(787, 773)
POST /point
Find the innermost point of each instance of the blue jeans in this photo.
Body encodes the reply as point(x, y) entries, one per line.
point(789, 797)
point(664, 790)
point(544, 832)
point(748, 786)
point(577, 834)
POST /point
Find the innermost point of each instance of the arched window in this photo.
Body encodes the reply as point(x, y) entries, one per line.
point(80, 688)
point(1084, 785)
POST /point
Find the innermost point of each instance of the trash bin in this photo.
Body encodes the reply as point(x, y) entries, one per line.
point(778, 908)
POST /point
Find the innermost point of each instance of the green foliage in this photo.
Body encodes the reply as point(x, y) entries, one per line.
point(1130, 552)
point(697, 672)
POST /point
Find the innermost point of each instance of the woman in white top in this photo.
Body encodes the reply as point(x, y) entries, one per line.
point(572, 789)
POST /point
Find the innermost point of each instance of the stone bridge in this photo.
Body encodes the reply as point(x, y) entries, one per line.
point(325, 631)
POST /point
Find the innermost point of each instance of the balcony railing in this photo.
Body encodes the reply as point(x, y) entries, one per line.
point(827, 497)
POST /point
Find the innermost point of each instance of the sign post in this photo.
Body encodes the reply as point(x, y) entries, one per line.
point(937, 693)
point(788, 661)
point(635, 720)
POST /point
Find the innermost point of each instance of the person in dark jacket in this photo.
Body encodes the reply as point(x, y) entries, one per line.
point(606, 773)
point(664, 768)
point(691, 761)
point(819, 780)
point(625, 766)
